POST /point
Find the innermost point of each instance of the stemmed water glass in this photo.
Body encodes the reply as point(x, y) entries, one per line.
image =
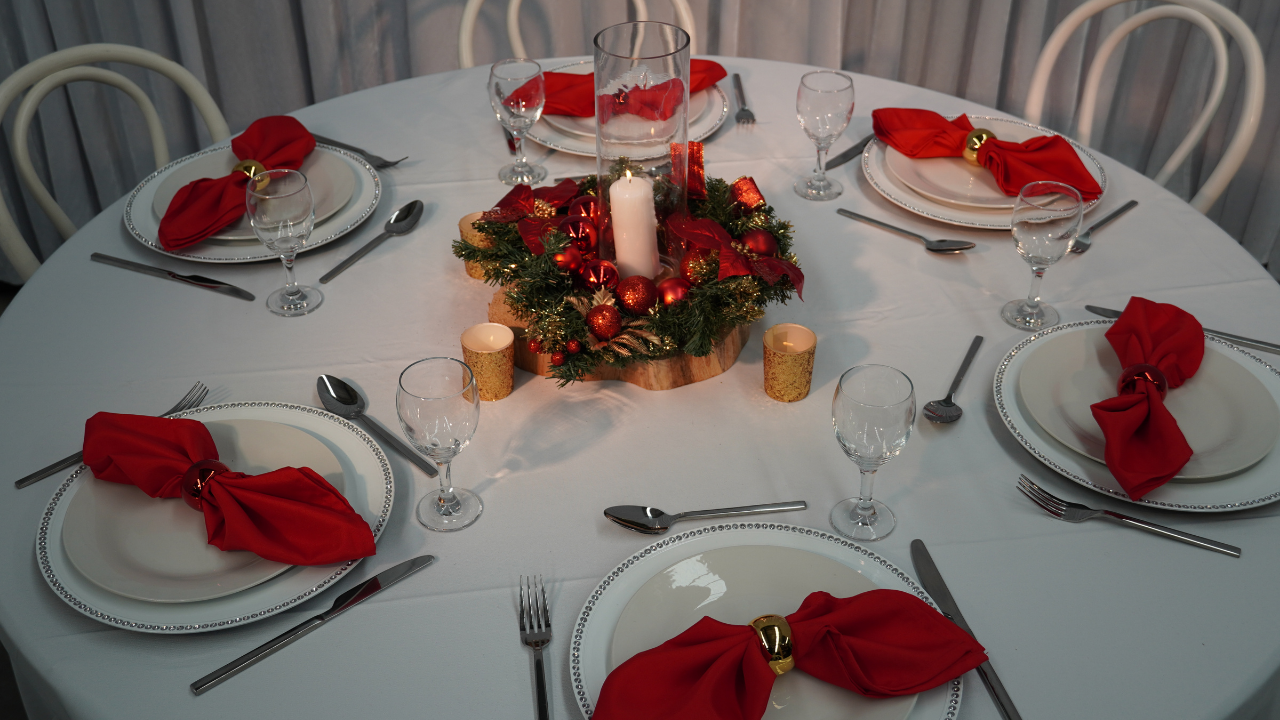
point(873, 410)
point(517, 93)
point(824, 105)
point(1046, 218)
point(439, 408)
point(282, 214)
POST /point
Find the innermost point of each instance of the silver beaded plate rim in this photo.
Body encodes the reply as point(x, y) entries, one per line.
point(921, 205)
point(951, 707)
point(348, 216)
point(1021, 434)
point(62, 494)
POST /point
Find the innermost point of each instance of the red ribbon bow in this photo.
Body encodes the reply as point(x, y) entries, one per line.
point(203, 207)
point(1144, 445)
point(880, 643)
point(709, 235)
point(926, 134)
point(290, 515)
point(574, 95)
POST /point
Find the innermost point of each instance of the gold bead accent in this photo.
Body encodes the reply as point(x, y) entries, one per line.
point(973, 141)
point(252, 168)
point(543, 209)
point(775, 638)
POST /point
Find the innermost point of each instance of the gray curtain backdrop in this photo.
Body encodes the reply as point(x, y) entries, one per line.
point(265, 57)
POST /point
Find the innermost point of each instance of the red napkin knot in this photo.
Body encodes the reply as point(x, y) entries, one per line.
point(575, 95)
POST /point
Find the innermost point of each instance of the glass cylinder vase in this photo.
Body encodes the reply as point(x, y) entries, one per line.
point(642, 122)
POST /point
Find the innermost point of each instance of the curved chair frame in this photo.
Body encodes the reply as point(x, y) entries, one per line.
point(1254, 78)
point(52, 71)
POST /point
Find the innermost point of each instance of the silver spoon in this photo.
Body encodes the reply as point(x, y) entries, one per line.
point(938, 246)
point(401, 222)
point(946, 410)
point(342, 400)
point(652, 521)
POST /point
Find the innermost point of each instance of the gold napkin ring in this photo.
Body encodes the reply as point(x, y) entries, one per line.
point(197, 477)
point(973, 141)
point(775, 640)
point(1130, 376)
point(253, 168)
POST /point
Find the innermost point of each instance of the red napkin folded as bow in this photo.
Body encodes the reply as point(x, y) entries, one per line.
point(203, 207)
point(574, 95)
point(1144, 445)
point(880, 643)
point(290, 515)
point(926, 134)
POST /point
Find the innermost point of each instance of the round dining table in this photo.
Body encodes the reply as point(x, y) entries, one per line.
point(1079, 620)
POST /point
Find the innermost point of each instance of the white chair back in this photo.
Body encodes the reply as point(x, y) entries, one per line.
point(1203, 13)
point(59, 68)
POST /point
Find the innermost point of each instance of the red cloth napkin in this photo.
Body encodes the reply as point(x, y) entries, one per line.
point(1144, 445)
point(203, 207)
point(569, 94)
point(926, 134)
point(290, 515)
point(880, 643)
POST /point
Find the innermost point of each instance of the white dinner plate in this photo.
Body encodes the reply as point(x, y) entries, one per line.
point(605, 629)
point(158, 549)
point(875, 166)
point(332, 183)
point(1226, 414)
point(714, 110)
point(1256, 485)
point(142, 223)
point(735, 585)
point(367, 479)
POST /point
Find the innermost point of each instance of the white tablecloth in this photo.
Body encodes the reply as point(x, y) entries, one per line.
point(1088, 620)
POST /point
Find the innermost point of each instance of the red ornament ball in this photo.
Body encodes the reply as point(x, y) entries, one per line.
point(568, 259)
point(637, 294)
point(557, 358)
point(600, 274)
point(691, 265)
point(604, 321)
point(535, 346)
point(582, 232)
point(673, 290)
point(761, 242)
point(585, 206)
point(573, 346)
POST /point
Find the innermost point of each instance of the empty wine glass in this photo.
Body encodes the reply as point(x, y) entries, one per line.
point(1046, 218)
point(439, 409)
point(824, 105)
point(282, 214)
point(873, 410)
point(517, 92)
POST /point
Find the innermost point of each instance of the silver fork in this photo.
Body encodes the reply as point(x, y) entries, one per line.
point(744, 116)
point(535, 631)
point(1075, 512)
point(378, 163)
point(193, 398)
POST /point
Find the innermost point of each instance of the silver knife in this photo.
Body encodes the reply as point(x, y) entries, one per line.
point(1262, 345)
point(345, 601)
point(937, 589)
point(849, 154)
point(197, 280)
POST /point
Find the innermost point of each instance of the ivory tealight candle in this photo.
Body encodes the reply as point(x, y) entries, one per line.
point(635, 226)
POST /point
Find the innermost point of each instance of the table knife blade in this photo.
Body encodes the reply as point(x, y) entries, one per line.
point(344, 602)
point(199, 281)
point(849, 154)
point(1262, 345)
point(933, 584)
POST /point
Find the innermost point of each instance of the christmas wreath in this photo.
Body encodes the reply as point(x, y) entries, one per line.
point(728, 254)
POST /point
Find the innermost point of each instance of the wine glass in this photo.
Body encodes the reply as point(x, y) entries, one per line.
point(282, 214)
point(439, 409)
point(824, 105)
point(517, 92)
point(1046, 218)
point(872, 411)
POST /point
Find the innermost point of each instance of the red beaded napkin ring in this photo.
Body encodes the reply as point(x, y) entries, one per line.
point(1130, 376)
point(197, 477)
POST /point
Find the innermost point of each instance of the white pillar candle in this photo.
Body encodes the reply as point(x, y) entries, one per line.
point(635, 226)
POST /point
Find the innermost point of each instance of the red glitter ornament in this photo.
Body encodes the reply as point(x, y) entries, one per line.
point(690, 265)
point(604, 321)
point(761, 242)
point(637, 294)
point(535, 345)
point(600, 274)
point(557, 358)
point(673, 290)
point(568, 259)
point(573, 346)
point(582, 231)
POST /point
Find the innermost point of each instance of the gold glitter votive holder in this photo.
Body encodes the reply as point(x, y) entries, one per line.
point(490, 350)
point(788, 361)
point(474, 237)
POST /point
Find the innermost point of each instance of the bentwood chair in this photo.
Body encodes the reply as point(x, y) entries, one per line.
point(466, 32)
point(1206, 14)
point(59, 68)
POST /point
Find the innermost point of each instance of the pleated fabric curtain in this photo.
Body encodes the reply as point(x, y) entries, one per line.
point(262, 58)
